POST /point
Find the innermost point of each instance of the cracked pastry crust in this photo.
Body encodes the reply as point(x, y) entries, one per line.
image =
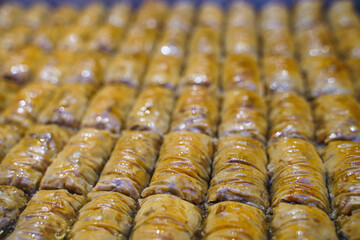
point(293, 221)
point(107, 216)
point(164, 216)
point(132, 161)
point(77, 167)
point(68, 105)
point(234, 220)
point(109, 108)
point(151, 111)
point(338, 118)
point(239, 172)
point(183, 166)
point(196, 111)
point(26, 163)
point(48, 215)
point(12, 202)
point(297, 174)
point(341, 160)
point(290, 116)
point(243, 113)
point(27, 104)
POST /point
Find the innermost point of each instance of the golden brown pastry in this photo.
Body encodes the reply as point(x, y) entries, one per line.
point(274, 16)
point(107, 216)
point(342, 14)
point(337, 117)
point(210, 15)
point(297, 174)
point(68, 105)
point(36, 15)
point(63, 15)
point(48, 215)
point(349, 226)
point(243, 113)
point(353, 69)
point(196, 111)
point(341, 162)
point(241, 13)
point(109, 108)
point(92, 15)
point(9, 15)
point(15, 38)
point(151, 14)
point(164, 216)
point(151, 111)
point(26, 163)
point(139, 40)
point(47, 36)
point(106, 39)
point(241, 71)
point(315, 42)
point(57, 68)
point(282, 74)
point(201, 69)
point(12, 202)
point(241, 40)
point(75, 38)
point(307, 14)
point(205, 40)
point(292, 221)
point(233, 220)
point(183, 166)
point(27, 104)
point(290, 116)
point(77, 167)
point(10, 134)
point(327, 76)
point(164, 71)
point(21, 66)
point(119, 14)
point(126, 69)
point(131, 163)
point(8, 89)
point(239, 172)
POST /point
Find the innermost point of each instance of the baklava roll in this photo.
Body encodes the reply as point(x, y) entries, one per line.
point(342, 15)
point(77, 167)
point(131, 163)
point(107, 216)
point(183, 167)
point(241, 71)
point(10, 14)
point(163, 71)
point(307, 14)
point(10, 134)
point(109, 108)
point(75, 38)
point(57, 68)
point(239, 172)
point(36, 15)
point(201, 69)
point(28, 103)
point(196, 111)
point(119, 14)
point(47, 37)
point(337, 117)
point(151, 14)
point(48, 215)
point(92, 15)
point(151, 111)
point(15, 38)
point(13, 201)
point(205, 40)
point(292, 221)
point(8, 89)
point(210, 15)
point(349, 43)
point(233, 220)
point(164, 216)
point(21, 66)
point(68, 105)
point(282, 75)
point(349, 226)
point(341, 162)
point(297, 174)
point(243, 113)
point(278, 42)
point(241, 13)
point(126, 69)
point(315, 42)
point(63, 15)
point(106, 39)
point(26, 163)
point(274, 16)
point(290, 116)
point(139, 40)
point(327, 76)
